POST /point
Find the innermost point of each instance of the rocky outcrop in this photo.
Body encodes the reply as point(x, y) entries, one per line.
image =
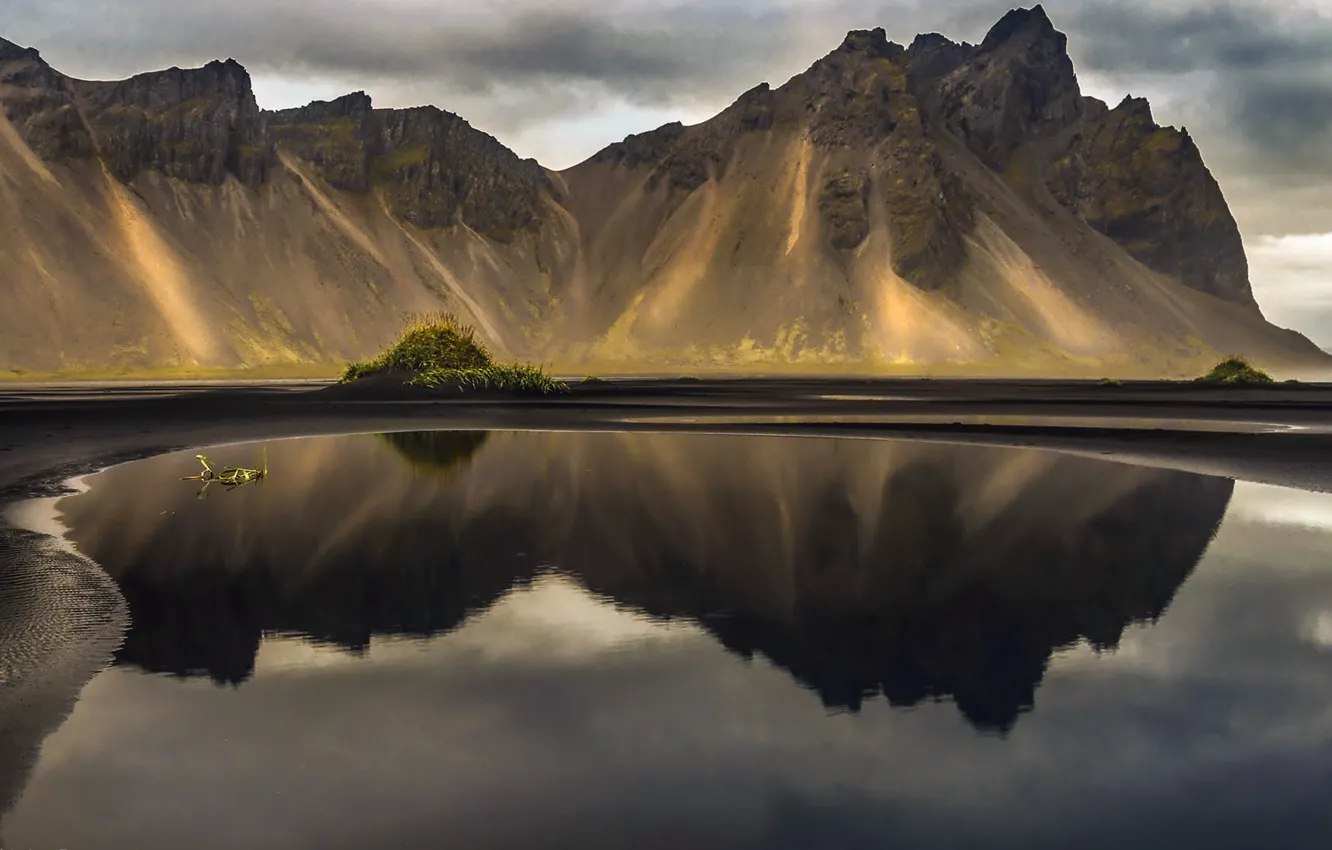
point(934, 56)
point(862, 99)
point(1146, 187)
point(40, 103)
point(198, 125)
point(844, 204)
point(683, 157)
point(203, 125)
point(1020, 84)
point(334, 136)
point(432, 167)
point(857, 95)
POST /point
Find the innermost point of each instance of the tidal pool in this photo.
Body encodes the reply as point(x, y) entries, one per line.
point(599, 640)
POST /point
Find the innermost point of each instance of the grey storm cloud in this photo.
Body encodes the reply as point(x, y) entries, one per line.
point(1292, 118)
point(1235, 37)
point(1268, 72)
point(649, 54)
point(536, 46)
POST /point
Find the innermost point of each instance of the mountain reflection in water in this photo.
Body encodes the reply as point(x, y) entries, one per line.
point(863, 568)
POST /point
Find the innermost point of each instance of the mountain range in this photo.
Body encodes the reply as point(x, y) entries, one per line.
point(940, 207)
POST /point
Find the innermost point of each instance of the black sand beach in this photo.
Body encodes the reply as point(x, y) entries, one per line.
point(1279, 435)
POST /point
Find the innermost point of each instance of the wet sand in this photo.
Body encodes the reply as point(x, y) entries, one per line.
point(1281, 435)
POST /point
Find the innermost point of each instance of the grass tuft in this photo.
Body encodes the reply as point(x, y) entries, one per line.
point(438, 350)
point(513, 378)
point(1110, 382)
point(1236, 371)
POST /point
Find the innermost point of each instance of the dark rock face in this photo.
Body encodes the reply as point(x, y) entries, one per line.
point(933, 57)
point(863, 100)
point(684, 158)
point(198, 125)
point(930, 214)
point(1020, 84)
point(433, 167)
point(1146, 187)
point(844, 205)
point(330, 135)
point(657, 149)
point(40, 103)
point(858, 93)
point(202, 125)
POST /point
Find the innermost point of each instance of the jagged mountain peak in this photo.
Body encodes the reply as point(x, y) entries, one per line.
point(352, 103)
point(228, 66)
point(10, 52)
point(1138, 107)
point(1020, 85)
point(872, 42)
point(931, 40)
point(1031, 25)
point(220, 76)
point(934, 56)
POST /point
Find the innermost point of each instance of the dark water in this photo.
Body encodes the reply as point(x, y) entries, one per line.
point(641, 641)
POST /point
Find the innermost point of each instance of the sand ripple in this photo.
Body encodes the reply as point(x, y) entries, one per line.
point(61, 618)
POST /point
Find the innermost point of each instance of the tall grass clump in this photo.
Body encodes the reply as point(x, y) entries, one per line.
point(437, 350)
point(1236, 371)
point(428, 341)
point(513, 378)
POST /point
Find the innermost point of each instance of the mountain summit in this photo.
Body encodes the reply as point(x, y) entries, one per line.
point(938, 207)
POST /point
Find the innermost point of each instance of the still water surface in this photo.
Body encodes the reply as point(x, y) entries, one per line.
point(606, 640)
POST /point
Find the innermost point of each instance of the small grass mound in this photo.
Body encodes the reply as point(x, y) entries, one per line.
point(1109, 382)
point(428, 341)
point(1236, 371)
point(437, 350)
point(513, 378)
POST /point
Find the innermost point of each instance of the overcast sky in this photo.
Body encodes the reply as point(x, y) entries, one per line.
point(559, 79)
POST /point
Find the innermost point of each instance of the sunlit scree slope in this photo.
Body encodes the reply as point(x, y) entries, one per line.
point(942, 208)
